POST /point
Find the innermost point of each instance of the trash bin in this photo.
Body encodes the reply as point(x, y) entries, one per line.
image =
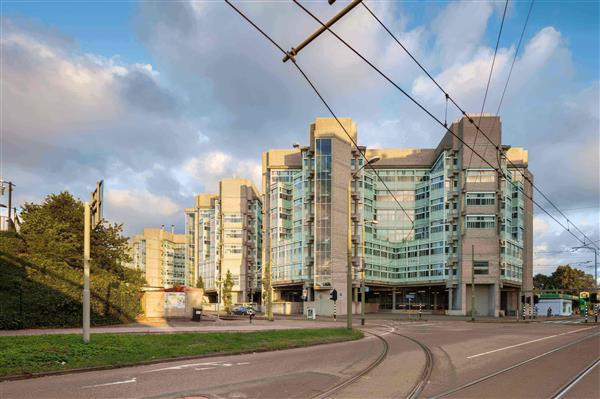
point(196, 314)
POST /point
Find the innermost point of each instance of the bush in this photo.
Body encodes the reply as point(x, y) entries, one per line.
point(50, 295)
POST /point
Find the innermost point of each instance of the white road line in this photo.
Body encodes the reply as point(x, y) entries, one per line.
point(572, 384)
point(112, 383)
point(204, 368)
point(527, 342)
point(184, 366)
point(242, 363)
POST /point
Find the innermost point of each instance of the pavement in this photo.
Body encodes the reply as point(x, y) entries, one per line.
point(470, 360)
point(184, 326)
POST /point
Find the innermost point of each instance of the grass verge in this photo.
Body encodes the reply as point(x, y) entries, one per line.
point(23, 355)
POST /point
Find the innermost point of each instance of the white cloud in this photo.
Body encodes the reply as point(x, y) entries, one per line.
point(213, 166)
point(141, 201)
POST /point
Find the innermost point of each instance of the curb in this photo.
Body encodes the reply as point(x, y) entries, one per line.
point(18, 377)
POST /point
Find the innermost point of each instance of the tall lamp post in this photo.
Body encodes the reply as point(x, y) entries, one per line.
point(595, 262)
point(349, 273)
point(363, 300)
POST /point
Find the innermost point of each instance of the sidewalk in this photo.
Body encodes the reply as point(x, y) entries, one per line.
point(147, 327)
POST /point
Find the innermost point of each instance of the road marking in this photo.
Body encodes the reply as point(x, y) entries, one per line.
point(183, 366)
point(572, 384)
point(112, 383)
point(527, 342)
point(204, 368)
point(242, 363)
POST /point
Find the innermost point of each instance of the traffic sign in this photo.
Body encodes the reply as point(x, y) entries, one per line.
point(410, 296)
point(96, 203)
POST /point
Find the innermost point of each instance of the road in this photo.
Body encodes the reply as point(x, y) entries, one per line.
point(468, 360)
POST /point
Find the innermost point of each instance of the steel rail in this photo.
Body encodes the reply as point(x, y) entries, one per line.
point(338, 387)
point(509, 368)
point(567, 387)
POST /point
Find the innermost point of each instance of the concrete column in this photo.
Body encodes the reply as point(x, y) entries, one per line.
point(393, 298)
point(450, 290)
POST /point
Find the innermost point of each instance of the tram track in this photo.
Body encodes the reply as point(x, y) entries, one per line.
point(519, 364)
point(338, 387)
point(562, 391)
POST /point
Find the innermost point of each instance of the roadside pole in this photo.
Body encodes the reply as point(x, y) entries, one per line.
point(472, 282)
point(86, 273)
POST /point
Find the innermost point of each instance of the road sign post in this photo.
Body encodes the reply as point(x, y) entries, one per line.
point(92, 216)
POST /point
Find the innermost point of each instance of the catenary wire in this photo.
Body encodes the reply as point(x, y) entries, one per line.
point(498, 148)
point(487, 87)
point(363, 153)
point(429, 113)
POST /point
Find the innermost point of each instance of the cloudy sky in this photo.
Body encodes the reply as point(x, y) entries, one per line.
point(162, 99)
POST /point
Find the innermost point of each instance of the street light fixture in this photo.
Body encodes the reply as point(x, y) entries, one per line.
point(349, 277)
point(587, 246)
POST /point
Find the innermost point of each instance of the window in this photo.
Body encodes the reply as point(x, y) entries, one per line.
point(481, 198)
point(232, 249)
point(481, 267)
point(481, 176)
point(437, 204)
point(481, 221)
point(437, 182)
point(233, 233)
point(232, 218)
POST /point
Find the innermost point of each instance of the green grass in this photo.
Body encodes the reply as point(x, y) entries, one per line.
point(42, 353)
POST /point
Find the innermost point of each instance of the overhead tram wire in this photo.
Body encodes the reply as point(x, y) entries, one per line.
point(362, 153)
point(430, 114)
point(464, 113)
point(512, 65)
point(487, 87)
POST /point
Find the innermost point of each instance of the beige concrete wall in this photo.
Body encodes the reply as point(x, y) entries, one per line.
point(153, 304)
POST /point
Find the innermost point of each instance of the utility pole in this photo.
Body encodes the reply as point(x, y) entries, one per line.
point(92, 215)
point(473, 283)
point(349, 266)
point(86, 272)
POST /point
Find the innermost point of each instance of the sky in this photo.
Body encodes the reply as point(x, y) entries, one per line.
point(162, 99)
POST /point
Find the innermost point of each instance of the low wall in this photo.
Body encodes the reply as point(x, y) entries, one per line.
point(166, 305)
point(288, 308)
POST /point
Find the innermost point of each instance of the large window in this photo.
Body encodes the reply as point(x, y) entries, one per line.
point(323, 212)
point(233, 233)
point(481, 221)
point(481, 198)
point(232, 249)
point(481, 267)
point(232, 218)
point(481, 176)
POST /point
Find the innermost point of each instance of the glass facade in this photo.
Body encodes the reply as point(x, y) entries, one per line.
point(323, 165)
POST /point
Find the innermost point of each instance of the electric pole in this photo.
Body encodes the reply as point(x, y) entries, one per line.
point(472, 282)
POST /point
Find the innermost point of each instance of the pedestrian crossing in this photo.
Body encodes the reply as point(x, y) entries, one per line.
point(568, 321)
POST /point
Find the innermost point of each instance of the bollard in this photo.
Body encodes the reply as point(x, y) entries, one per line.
point(586, 314)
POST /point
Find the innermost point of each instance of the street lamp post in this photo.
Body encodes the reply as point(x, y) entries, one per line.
point(362, 276)
point(587, 246)
point(349, 273)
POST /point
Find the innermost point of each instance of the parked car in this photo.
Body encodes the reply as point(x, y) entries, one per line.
point(243, 310)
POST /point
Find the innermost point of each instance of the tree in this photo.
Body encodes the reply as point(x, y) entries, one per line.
point(53, 231)
point(227, 287)
point(541, 281)
point(46, 260)
point(566, 277)
point(200, 283)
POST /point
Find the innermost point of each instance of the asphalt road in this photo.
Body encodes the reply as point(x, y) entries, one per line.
point(528, 360)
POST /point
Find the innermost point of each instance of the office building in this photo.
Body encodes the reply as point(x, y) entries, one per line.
point(224, 233)
point(160, 255)
point(414, 221)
